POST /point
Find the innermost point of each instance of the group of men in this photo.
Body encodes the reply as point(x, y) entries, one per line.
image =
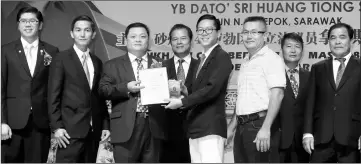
point(283, 113)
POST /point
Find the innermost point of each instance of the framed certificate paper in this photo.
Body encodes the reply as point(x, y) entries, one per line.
point(155, 82)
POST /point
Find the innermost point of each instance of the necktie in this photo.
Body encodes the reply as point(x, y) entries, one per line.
point(203, 57)
point(293, 81)
point(340, 70)
point(180, 71)
point(140, 107)
point(85, 67)
point(29, 57)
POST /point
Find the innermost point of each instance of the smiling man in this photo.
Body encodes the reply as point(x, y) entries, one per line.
point(332, 117)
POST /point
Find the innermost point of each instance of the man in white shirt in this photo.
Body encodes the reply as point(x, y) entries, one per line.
point(332, 117)
point(25, 131)
point(261, 82)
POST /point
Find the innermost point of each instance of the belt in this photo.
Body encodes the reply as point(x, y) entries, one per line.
point(244, 119)
point(142, 114)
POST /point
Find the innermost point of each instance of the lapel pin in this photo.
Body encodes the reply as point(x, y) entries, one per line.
point(19, 51)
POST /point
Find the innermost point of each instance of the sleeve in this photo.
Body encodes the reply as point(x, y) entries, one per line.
point(104, 107)
point(310, 102)
point(275, 73)
point(4, 77)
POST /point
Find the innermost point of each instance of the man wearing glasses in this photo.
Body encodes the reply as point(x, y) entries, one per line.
point(206, 119)
point(25, 131)
point(261, 82)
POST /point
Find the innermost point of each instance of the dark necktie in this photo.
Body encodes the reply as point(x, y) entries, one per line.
point(293, 81)
point(140, 107)
point(340, 70)
point(180, 71)
point(203, 57)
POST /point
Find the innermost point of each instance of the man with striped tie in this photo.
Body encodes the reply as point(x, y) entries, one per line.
point(332, 116)
point(78, 115)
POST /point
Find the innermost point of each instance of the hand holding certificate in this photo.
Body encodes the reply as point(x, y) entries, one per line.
point(155, 82)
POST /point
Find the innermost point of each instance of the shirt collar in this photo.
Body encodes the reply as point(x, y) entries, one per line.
point(187, 59)
point(261, 52)
point(27, 44)
point(347, 57)
point(209, 50)
point(132, 57)
point(80, 52)
point(297, 68)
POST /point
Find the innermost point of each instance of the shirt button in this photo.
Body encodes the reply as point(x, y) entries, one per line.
point(334, 108)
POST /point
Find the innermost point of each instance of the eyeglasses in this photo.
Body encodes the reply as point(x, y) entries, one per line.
point(253, 33)
point(207, 31)
point(31, 21)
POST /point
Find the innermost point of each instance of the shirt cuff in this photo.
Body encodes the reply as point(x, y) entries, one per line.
point(307, 135)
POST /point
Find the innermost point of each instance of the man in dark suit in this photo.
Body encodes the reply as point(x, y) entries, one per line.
point(137, 130)
point(180, 67)
point(25, 131)
point(206, 118)
point(292, 106)
point(78, 115)
point(332, 118)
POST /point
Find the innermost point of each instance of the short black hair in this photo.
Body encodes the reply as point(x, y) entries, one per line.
point(292, 36)
point(256, 19)
point(340, 25)
point(136, 24)
point(216, 21)
point(30, 9)
point(83, 18)
point(181, 26)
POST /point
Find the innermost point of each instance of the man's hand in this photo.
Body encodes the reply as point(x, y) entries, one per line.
point(105, 135)
point(61, 137)
point(134, 86)
point(173, 103)
point(308, 144)
point(184, 89)
point(263, 139)
point(5, 132)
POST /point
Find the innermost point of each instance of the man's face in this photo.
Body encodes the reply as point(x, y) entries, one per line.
point(137, 39)
point(253, 34)
point(207, 39)
point(340, 42)
point(82, 33)
point(180, 42)
point(292, 51)
point(29, 25)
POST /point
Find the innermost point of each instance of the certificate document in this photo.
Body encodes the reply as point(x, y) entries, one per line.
point(155, 82)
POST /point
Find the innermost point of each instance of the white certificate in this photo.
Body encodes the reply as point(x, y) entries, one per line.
point(155, 82)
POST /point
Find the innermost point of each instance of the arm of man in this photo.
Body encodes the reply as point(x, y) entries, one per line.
point(6, 132)
point(104, 113)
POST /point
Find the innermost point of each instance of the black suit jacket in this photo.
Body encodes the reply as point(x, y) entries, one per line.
point(19, 90)
point(292, 111)
point(71, 100)
point(206, 104)
point(332, 111)
point(176, 119)
point(118, 72)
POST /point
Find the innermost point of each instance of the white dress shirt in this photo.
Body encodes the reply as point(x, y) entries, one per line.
point(185, 64)
point(89, 62)
point(34, 53)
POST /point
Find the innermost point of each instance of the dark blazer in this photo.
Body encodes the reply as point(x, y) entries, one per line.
point(113, 86)
point(332, 111)
point(19, 90)
point(292, 111)
point(175, 118)
point(206, 104)
point(71, 100)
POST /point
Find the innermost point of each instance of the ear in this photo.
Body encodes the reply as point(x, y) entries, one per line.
point(40, 26)
point(94, 33)
point(71, 34)
point(265, 36)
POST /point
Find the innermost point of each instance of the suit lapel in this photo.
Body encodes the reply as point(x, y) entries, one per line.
point(127, 65)
point(206, 63)
point(39, 59)
point(350, 68)
point(192, 69)
point(96, 68)
point(21, 55)
point(79, 68)
point(172, 70)
point(329, 72)
point(303, 80)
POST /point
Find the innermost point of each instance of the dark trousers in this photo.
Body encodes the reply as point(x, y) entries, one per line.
point(294, 154)
point(176, 151)
point(333, 152)
point(245, 150)
point(142, 147)
point(79, 150)
point(28, 145)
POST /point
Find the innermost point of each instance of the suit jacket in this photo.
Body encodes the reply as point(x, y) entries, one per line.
point(332, 111)
point(176, 119)
point(206, 104)
point(72, 103)
point(118, 72)
point(19, 90)
point(292, 111)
